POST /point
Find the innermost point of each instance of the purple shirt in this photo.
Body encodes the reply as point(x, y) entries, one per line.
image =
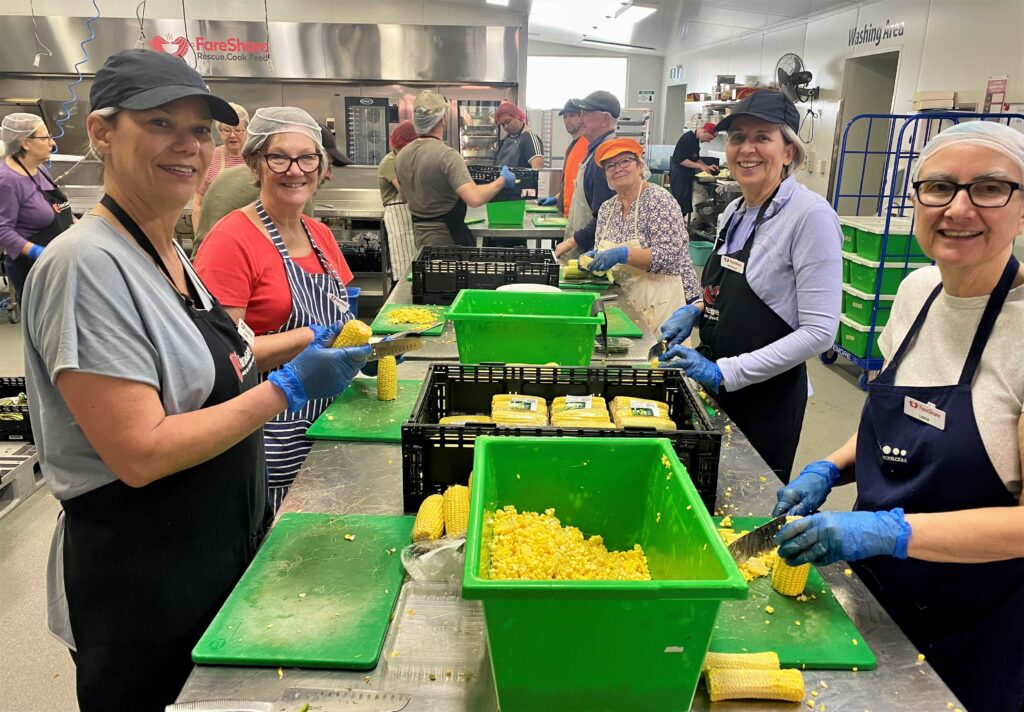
point(24, 211)
point(795, 267)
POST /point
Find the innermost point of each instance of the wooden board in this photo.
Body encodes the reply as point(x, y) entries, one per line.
point(357, 414)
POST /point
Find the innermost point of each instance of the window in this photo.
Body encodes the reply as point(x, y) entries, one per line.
point(551, 81)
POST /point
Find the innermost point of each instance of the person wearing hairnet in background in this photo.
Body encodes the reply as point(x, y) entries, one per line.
point(33, 210)
point(435, 179)
point(520, 147)
point(397, 219)
point(281, 271)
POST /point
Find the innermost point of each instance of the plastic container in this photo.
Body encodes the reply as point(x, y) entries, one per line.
point(507, 213)
point(353, 300)
point(599, 645)
point(439, 273)
point(846, 271)
point(870, 231)
point(849, 238)
point(436, 456)
point(864, 273)
point(517, 327)
point(20, 429)
point(858, 307)
point(700, 252)
point(854, 338)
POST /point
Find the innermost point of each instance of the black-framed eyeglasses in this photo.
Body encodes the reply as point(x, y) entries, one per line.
point(280, 163)
point(989, 193)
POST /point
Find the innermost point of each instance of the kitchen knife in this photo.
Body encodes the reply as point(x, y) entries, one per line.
point(341, 700)
point(221, 706)
point(411, 332)
point(393, 347)
point(657, 350)
point(757, 541)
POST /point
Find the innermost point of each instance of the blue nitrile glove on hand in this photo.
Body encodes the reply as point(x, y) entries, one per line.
point(550, 200)
point(324, 335)
point(807, 492)
point(35, 251)
point(677, 327)
point(509, 176)
point(694, 365)
point(606, 259)
point(318, 373)
point(827, 537)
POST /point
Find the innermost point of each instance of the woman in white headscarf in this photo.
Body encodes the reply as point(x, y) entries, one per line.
point(938, 531)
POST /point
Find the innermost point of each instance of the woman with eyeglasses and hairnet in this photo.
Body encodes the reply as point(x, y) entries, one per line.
point(33, 210)
point(938, 528)
point(280, 270)
point(226, 155)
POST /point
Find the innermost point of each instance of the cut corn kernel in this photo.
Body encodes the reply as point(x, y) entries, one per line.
point(429, 522)
point(354, 333)
point(743, 661)
point(387, 379)
point(789, 580)
point(732, 684)
point(456, 510)
point(412, 315)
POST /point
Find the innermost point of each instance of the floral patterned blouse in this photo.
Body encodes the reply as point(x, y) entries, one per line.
point(659, 227)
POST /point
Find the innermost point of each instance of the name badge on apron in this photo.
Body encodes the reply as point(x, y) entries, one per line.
point(926, 413)
point(338, 302)
point(732, 264)
point(247, 334)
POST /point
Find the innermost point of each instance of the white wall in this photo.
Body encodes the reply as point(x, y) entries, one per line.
point(947, 44)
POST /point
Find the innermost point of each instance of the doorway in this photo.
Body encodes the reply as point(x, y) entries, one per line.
point(868, 85)
point(675, 114)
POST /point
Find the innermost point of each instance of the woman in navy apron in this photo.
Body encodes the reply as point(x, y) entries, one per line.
point(146, 407)
point(937, 533)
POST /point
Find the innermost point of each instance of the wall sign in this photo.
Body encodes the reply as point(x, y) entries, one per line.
point(995, 95)
point(645, 96)
point(869, 34)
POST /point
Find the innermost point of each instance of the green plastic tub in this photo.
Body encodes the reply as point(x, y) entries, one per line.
point(700, 252)
point(856, 340)
point(869, 246)
point(524, 327)
point(858, 309)
point(506, 213)
point(846, 271)
point(863, 274)
point(849, 239)
point(575, 646)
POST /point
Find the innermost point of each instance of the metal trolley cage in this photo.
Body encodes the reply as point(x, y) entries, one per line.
point(885, 146)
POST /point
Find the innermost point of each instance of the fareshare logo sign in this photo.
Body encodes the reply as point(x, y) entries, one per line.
point(232, 49)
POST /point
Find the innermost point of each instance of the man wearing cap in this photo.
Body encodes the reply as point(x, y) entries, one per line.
point(686, 162)
point(572, 117)
point(520, 148)
point(599, 113)
point(435, 179)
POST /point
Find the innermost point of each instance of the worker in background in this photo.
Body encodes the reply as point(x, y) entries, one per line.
point(435, 179)
point(397, 219)
point(227, 155)
point(600, 113)
point(686, 162)
point(337, 156)
point(521, 147)
point(572, 117)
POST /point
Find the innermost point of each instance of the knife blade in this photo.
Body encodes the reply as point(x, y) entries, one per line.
point(393, 347)
point(221, 706)
point(411, 332)
point(657, 350)
point(337, 700)
point(757, 541)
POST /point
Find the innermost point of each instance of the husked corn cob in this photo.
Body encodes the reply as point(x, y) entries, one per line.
point(463, 419)
point(585, 261)
point(747, 684)
point(641, 421)
point(626, 406)
point(789, 580)
point(354, 333)
point(577, 403)
point(429, 522)
point(505, 401)
point(742, 661)
point(456, 510)
point(387, 379)
point(573, 271)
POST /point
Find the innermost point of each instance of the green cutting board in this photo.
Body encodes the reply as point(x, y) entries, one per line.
point(534, 208)
point(473, 220)
point(310, 598)
point(822, 641)
point(357, 414)
point(549, 222)
point(381, 324)
point(621, 325)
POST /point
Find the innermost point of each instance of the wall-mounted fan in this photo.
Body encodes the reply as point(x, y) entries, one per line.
point(794, 79)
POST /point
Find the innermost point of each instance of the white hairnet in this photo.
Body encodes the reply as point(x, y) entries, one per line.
point(280, 119)
point(999, 137)
point(15, 129)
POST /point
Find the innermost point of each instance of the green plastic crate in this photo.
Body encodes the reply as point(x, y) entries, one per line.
point(506, 213)
point(572, 646)
point(849, 238)
point(862, 277)
point(524, 327)
point(856, 341)
point(846, 271)
point(869, 246)
point(859, 309)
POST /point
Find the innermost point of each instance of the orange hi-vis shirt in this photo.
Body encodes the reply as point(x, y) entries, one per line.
point(573, 159)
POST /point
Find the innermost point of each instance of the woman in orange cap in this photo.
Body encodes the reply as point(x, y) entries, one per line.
point(641, 237)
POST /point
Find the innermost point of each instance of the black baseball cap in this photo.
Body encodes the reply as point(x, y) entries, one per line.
point(600, 101)
point(765, 104)
point(142, 79)
point(571, 107)
point(338, 159)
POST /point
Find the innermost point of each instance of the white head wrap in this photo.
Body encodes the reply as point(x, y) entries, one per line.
point(999, 137)
point(16, 128)
point(280, 119)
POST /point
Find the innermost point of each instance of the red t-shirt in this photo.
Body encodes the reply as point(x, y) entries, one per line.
point(243, 269)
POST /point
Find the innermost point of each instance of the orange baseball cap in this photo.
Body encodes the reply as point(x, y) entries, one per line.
point(616, 146)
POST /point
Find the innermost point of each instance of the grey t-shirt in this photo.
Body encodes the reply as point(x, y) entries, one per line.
point(96, 303)
point(386, 174)
point(429, 171)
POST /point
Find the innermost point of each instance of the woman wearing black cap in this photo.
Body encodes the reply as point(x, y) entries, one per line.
point(145, 407)
point(772, 288)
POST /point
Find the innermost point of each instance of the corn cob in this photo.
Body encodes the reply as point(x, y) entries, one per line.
point(561, 403)
point(429, 522)
point(456, 510)
point(354, 333)
point(387, 379)
point(463, 419)
point(640, 421)
point(573, 271)
point(585, 261)
point(789, 580)
point(742, 661)
point(734, 684)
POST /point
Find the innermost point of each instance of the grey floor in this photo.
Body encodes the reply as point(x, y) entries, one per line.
point(36, 673)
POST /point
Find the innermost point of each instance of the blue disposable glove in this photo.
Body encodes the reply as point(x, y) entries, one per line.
point(807, 492)
point(35, 252)
point(827, 537)
point(677, 327)
point(694, 365)
point(509, 176)
point(318, 373)
point(550, 200)
point(324, 335)
point(606, 259)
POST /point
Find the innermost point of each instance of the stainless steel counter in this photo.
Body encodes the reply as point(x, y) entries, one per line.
point(539, 237)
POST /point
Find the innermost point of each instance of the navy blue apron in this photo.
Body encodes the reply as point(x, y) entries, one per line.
point(968, 619)
point(316, 299)
point(147, 568)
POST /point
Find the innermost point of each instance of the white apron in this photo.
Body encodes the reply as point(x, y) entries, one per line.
point(401, 245)
point(579, 212)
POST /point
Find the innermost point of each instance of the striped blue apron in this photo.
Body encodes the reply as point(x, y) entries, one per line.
point(316, 299)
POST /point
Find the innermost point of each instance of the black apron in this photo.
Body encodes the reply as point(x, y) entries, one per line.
point(146, 569)
point(18, 267)
point(736, 321)
point(454, 220)
point(968, 619)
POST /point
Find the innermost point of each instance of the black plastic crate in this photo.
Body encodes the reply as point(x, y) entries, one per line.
point(14, 429)
point(526, 182)
point(438, 273)
point(436, 456)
